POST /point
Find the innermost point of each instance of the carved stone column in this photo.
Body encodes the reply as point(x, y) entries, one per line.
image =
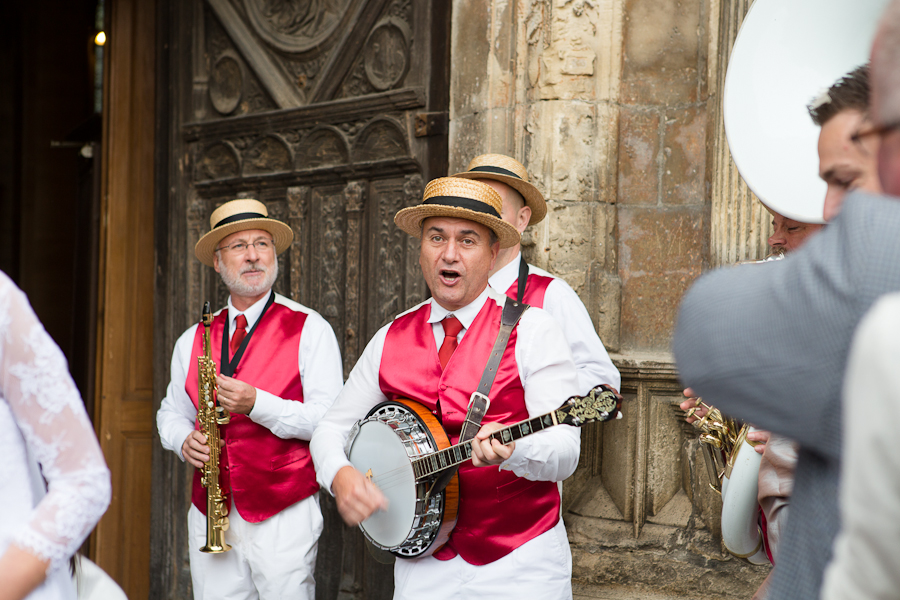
point(740, 224)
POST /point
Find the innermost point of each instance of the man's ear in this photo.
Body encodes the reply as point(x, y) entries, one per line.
point(522, 218)
point(495, 250)
point(216, 262)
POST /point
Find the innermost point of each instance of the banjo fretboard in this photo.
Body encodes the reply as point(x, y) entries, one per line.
point(600, 404)
point(460, 453)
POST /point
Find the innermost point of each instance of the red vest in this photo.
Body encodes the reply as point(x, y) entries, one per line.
point(265, 473)
point(535, 288)
point(498, 511)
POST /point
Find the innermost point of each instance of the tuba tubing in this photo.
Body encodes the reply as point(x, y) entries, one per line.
point(733, 466)
point(740, 508)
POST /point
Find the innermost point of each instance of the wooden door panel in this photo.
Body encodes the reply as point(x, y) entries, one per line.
point(124, 411)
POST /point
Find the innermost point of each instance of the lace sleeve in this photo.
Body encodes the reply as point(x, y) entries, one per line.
point(47, 409)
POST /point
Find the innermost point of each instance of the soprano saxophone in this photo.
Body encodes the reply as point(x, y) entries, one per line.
point(211, 415)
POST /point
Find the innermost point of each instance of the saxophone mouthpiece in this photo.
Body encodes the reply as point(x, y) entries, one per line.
point(206, 315)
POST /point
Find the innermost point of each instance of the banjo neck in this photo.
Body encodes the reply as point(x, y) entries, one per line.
point(600, 404)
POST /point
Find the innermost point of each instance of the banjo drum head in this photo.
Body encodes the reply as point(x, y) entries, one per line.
point(785, 55)
point(377, 448)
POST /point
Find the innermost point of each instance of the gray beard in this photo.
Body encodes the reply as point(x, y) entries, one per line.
point(238, 288)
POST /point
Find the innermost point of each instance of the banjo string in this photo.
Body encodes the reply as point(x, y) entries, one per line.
point(396, 476)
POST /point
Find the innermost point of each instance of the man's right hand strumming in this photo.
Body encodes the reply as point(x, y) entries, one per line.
point(357, 497)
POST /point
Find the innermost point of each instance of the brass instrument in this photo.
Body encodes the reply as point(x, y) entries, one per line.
point(210, 415)
point(733, 467)
point(718, 437)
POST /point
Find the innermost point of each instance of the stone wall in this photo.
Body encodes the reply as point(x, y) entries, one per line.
point(611, 105)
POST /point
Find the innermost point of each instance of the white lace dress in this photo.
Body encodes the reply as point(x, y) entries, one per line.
point(43, 422)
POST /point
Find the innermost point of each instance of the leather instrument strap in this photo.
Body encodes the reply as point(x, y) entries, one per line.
point(523, 279)
point(480, 401)
point(228, 367)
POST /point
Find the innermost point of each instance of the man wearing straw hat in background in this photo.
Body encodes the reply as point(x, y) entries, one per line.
point(509, 540)
point(279, 372)
point(524, 205)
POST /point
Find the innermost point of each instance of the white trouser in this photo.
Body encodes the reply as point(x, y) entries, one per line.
point(539, 568)
point(271, 560)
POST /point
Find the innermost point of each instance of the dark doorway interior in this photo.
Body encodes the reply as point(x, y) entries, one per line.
point(49, 167)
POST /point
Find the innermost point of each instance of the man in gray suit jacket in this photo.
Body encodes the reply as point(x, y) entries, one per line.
point(768, 342)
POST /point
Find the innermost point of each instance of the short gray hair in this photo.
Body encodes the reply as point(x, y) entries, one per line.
point(886, 65)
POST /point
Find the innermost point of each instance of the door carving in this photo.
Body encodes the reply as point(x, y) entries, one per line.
point(309, 106)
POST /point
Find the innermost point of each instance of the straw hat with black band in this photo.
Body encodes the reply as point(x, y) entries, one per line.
point(504, 169)
point(241, 215)
point(462, 199)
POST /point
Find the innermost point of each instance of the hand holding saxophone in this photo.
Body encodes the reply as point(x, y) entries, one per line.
point(195, 450)
point(234, 395)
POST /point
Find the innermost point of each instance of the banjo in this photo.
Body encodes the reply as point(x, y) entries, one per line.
point(402, 448)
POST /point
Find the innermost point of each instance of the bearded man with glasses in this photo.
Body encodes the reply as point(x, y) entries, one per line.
point(279, 370)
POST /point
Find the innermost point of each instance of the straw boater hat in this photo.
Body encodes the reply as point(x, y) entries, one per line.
point(462, 199)
point(240, 215)
point(511, 172)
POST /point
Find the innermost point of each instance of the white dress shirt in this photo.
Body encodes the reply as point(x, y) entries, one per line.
point(867, 549)
point(560, 300)
point(319, 365)
point(545, 368)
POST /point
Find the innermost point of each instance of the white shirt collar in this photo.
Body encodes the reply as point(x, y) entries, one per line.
point(466, 314)
point(252, 314)
point(505, 277)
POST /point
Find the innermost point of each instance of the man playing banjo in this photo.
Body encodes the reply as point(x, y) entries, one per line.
point(509, 539)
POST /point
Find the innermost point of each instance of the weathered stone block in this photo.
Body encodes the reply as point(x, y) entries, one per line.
point(468, 77)
point(572, 238)
point(479, 133)
point(662, 45)
point(603, 304)
point(660, 254)
point(575, 49)
point(664, 480)
point(569, 154)
point(638, 156)
point(467, 133)
point(684, 179)
point(655, 561)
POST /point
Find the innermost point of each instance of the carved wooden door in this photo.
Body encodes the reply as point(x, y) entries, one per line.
point(333, 113)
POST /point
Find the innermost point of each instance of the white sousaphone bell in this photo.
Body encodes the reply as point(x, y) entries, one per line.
point(787, 52)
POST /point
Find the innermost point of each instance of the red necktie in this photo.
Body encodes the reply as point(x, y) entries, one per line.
point(452, 327)
point(240, 331)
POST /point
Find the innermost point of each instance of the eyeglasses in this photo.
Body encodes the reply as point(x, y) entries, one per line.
point(262, 246)
point(878, 130)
